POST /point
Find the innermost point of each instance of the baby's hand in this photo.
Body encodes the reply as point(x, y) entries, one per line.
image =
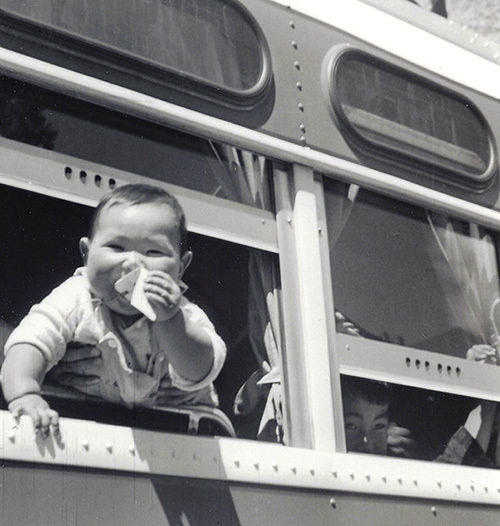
point(483, 353)
point(39, 411)
point(164, 294)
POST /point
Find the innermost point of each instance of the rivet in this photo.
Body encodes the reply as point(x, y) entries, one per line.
point(438, 482)
point(434, 510)
point(300, 106)
point(263, 221)
point(293, 467)
point(415, 481)
point(319, 229)
point(131, 449)
point(109, 446)
point(302, 127)
point(311, 470)
point(333, 503)
point(294, 44)
point(289, 220)
point(85, 443)
point(486, 489)
point(334, 472)
point(400, 479)
point(11, 436)
point(472, 40)
point(495, 55)
point(367, 476)
point(275, 465)
point(236, 462)
point(458, 485)
point(297, 64)
point(299, 86)
point(351, 474)
point(384, 477)
point(302, 139)
point(255, 463)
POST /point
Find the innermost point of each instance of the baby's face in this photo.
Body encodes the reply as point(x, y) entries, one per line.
point(129, 237)
point(366, 426)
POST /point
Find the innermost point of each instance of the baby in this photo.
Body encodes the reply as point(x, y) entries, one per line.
point(157, 348)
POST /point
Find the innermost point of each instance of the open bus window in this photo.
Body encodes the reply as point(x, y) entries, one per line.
point(408, 276)
point(407, 422)
point(48, 120)
point(40, 250)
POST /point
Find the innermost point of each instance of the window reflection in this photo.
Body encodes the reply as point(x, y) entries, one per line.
point(51, 121)
point(404, 275)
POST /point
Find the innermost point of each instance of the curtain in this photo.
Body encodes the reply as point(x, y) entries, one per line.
point(468, 273)
point(245, 179)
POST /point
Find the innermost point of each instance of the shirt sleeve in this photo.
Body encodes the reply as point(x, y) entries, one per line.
point(50, 324)
point(197, 315)
point(462, 449)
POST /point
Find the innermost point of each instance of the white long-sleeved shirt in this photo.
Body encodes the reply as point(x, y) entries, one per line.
point(135, 369)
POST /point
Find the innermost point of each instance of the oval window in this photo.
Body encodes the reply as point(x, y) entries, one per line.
point(390, 112)
point(214, 42)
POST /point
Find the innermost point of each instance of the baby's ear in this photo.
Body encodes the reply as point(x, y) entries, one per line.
point(84, 248)
point(185, 262)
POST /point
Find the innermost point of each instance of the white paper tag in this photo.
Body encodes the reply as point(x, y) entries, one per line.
point(132, 287)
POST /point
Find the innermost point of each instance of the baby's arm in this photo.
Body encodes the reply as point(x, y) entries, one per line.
point(187, 344)
point(22, 375)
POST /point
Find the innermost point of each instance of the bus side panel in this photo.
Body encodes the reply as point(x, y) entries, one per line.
point(36, 495)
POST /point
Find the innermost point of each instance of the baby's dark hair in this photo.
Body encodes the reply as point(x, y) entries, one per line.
point(139, 194)
point(373, 391)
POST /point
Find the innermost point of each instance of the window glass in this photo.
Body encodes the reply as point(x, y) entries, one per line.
point(40, 249)
point(410, 276)
point(213, 41)
point(68, 126)
point(407, 422)
point(388, 109)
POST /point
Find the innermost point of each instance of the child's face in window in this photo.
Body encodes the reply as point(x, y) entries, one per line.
point(128, 237)
point(366, 425)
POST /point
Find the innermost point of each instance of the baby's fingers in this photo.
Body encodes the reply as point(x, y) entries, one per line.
point(44, 419)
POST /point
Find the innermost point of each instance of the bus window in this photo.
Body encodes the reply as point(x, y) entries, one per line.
point(386, 111)
point(407, 422)
point(39, 240)
point(216, 44)
point(68, 126)
point(409, 276)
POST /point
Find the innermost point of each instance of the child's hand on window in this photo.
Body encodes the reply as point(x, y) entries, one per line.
point(39, 411)
point(164, 294)
point(399, 442)
point(483, 353)
point(344, 326)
